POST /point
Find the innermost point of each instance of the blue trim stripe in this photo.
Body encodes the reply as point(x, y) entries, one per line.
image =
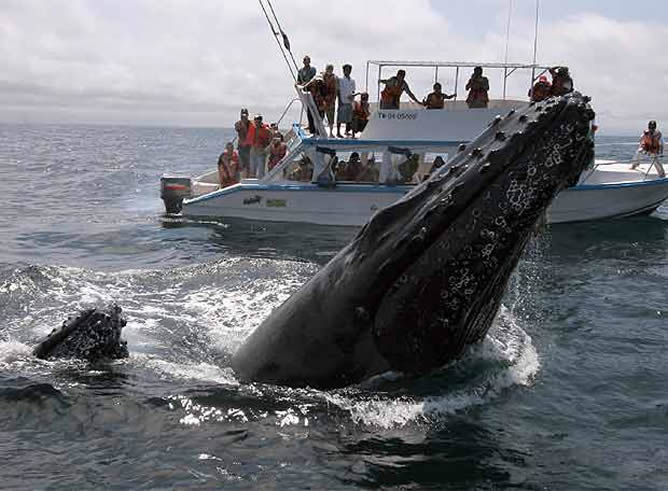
point(653, 182)
point(340, 188)
point(334, 142)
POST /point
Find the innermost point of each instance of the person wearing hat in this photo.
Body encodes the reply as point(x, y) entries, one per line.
point(562, 83)
point(258, 137)
point(541, 90)
point(241, 127)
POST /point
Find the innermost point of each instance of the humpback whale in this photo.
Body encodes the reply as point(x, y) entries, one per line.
point(94, 334)
point(424, 278)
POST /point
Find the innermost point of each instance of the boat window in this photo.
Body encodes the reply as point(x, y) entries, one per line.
point(300, 169)
point(357, 167)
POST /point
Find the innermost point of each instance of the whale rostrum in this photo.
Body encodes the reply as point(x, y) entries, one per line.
point(424, 278)
point(94, 334)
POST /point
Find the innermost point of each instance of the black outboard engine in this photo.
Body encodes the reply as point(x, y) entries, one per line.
point(172, 192)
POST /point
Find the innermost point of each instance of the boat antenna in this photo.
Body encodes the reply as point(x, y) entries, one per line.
point(535, 44)
point(286, 42)
point(510, 11)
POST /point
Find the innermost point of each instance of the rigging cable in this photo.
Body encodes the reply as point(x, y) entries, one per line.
point(280, 46)
point(286, 41)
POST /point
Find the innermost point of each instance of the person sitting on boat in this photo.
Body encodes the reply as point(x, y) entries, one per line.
point(277, 151)
point(344, 115)
point(478, 86)
point(394, 87)
point(353, 168)
point(437, 164)
point(541, 90)
point(651, 145)
point(259, 137)
point(361, 113)
point(304, 76)
point(241, 127)
point(228, 166)
point(562, 83)
point(436, 99)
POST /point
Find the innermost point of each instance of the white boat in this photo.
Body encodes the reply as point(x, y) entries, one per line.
point(290, 192)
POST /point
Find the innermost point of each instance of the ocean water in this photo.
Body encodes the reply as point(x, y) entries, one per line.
point(568, 391)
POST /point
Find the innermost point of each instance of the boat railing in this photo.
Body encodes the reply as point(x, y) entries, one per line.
point(650, 163)
point(508, 70)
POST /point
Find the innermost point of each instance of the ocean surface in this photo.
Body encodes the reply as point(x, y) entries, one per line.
point(569, 391)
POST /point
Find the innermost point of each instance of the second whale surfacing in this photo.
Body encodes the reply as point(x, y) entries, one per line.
point(425, 276)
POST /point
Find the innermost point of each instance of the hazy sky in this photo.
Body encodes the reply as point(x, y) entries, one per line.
point(184, 62)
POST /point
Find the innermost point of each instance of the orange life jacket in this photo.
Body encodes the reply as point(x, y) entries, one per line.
point(361, 110)
point(276, 153)
point(540, 91)
point(651, 143)
point(392, 92)
point(228, 166)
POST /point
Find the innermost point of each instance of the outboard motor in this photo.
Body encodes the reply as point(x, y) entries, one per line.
point(172, 192)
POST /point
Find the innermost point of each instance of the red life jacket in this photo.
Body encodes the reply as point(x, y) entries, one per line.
point(651, 143)
point(276, 153)
point(392, 92)
point(361, 111)
point(258, 137)
point(540, 91)
point(228, 166)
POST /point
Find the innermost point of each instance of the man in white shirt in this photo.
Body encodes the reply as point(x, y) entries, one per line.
point(346, 94)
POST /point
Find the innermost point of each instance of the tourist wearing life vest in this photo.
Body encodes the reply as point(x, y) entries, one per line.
point(562, 83)
point(361, 113)
point(330, 89)
point(394, 87)
point(259, 137)
point(436, 99)
point(228, 166)
point(541, 89)
point(651, 144)
point(478, 87)
point(277, 151)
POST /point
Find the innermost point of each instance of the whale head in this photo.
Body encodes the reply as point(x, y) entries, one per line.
point(425, 276)
point(93, 334)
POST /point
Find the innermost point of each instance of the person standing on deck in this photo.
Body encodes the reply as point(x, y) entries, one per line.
point(304, 76)
point(259, 138)
point(241, 127)
point(394, 87)
point(436, 99)
point(478, 86)
point(651, 144)
point(346, 94)
point(330, 89)
point(541, 90)
point(562, 83)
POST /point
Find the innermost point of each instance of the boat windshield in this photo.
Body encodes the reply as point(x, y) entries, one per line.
point(391, 165)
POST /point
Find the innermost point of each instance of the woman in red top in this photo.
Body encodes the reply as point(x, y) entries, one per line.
point(228, 166)
point(277, 151)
